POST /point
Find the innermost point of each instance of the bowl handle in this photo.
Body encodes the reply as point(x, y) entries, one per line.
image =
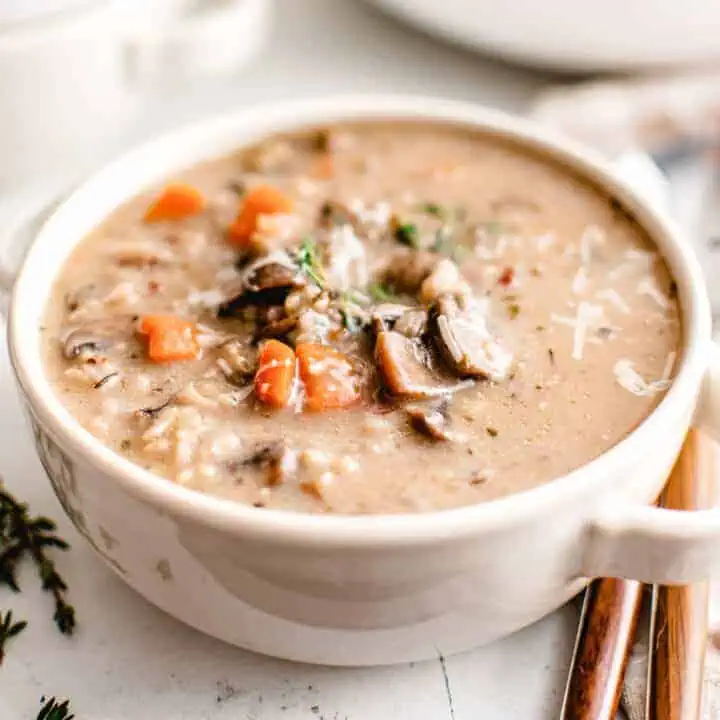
point(656, 545)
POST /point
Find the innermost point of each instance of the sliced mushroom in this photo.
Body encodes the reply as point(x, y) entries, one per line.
point(465, 342)
point(406, 368)
point(274, 459)
point(270, 273)
point(385, 315)
point(84, 343)
point(412, 323)
point(267, 281)
point(407, 269)
point(430, 420)
point(278, 328)
point(444, 279)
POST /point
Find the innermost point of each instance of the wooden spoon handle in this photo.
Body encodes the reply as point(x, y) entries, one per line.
point(679, 630)
point(602, 647)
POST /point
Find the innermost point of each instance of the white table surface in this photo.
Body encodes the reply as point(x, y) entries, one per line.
point(129, 661)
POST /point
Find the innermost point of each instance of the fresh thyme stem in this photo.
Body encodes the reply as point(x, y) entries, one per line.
point(8, 630)
point(55, 710)
point(22, 535)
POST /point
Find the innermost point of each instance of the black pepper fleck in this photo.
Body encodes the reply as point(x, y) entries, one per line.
point(491, 431)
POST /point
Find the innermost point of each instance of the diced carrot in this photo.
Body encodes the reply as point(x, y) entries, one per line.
point(175, 202)
point(261, 200)
point(169, 338)
point(329, 376)
point(275, 376)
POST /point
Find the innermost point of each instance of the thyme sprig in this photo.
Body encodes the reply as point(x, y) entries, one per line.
point(381, 293)
point(8, 630)
point(21, 536)
point(309, 263)
point(55, 710)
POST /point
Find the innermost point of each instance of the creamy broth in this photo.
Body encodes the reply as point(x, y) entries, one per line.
point(495, 322)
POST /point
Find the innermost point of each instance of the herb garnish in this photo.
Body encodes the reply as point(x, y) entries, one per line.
point(55, 710)
point(238, 187)
point(381, 293)
point(432, 208)
point(8, 630)
point(407, 234)
point(513, 310)
point(351, 321)
point(309, 263)
point(24, 536)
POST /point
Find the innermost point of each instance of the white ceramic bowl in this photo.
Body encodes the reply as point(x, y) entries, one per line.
point(575, 36)
point(382, 589)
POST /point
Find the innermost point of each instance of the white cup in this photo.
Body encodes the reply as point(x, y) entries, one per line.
point(73, 74)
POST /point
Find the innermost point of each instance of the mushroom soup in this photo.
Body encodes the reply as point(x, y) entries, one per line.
point(368, 318)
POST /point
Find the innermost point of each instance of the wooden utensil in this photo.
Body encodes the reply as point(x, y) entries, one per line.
point(678, 631)
point(605, 636)
point(679, 622)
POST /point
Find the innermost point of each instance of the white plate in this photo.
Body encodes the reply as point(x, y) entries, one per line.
point(575, 36)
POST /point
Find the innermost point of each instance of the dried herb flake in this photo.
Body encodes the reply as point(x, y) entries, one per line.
point(407, 234)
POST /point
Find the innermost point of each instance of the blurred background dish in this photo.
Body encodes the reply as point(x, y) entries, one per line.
point(575, 36)
point(74, 74)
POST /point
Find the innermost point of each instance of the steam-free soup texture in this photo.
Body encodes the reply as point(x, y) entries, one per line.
point(368, 318)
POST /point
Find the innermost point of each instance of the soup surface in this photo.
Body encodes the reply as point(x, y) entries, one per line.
point(369, 318)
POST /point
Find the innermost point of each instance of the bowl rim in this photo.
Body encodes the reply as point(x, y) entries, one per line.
point(208, 138)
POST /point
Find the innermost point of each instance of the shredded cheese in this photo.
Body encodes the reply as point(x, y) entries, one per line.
point(614, 298)
point(580, 281)
point(587, 316)
point(628, 378)
point(647, 287)
point(543, 242)
point(591, 237)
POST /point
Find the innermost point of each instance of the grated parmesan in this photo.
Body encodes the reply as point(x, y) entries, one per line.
point(628, 378)
point(647, 287)
point(592, 236)
point(543, 242)
point(588, 316)
point(580, 281)
point(614, 298)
